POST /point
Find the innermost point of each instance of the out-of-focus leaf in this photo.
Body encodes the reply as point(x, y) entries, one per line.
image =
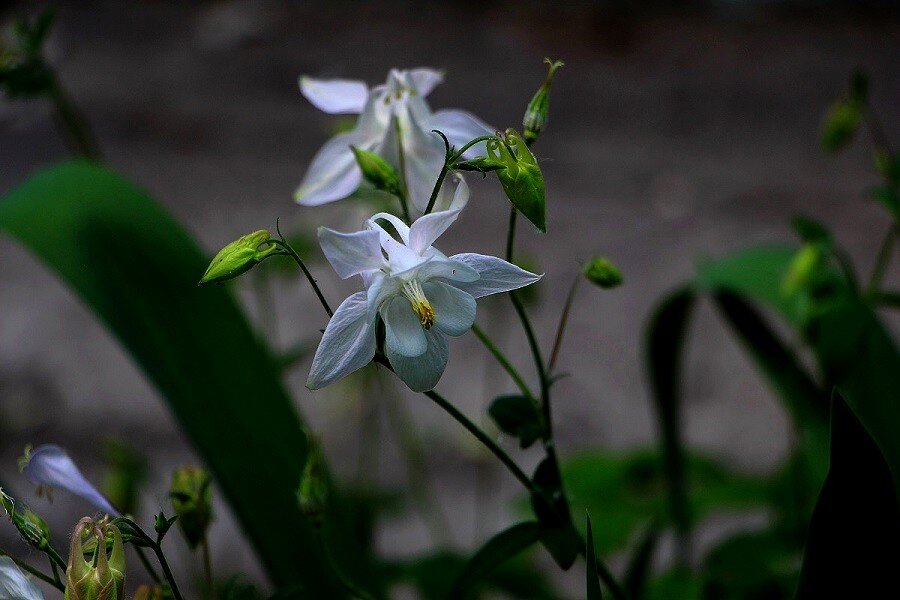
point(840, 125)
point(137, 269)
point(852, 550)
point(888, 198)
point(627, 491)
point(751, 565)
point(665, 341)
point(677, 583)
point(638, 570)
point(811, 230)
point(552, 509)
point(593, 579)
point(517, 416)
point(496, 551)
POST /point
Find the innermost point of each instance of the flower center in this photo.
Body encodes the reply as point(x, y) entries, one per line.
point(420, 304)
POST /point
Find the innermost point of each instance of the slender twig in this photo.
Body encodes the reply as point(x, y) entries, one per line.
point(563, 322)
point(403, 194)
point(501, 358)
point(147, 566)
point(449, 161)
point(35, 571)
point(55, 557)
point(511, 234)
point(282, 243)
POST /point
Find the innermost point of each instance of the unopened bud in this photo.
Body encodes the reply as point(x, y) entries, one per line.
point(803, 268)
point(601, 272)
point(538, 111)
point(482, 164)
point(521, 177)
point(312, 493)
point(376, 170)
point(102, 576)
point(240, 256)
point(191, 495)
point(29, 524)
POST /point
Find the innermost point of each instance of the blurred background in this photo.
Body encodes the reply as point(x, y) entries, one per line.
point(677, 132)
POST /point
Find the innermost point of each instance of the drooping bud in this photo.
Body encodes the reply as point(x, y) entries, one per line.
point(521, 177)
point(102, 575)
point(191, 495)
point(240, 256)
point(537, 113)
point(601, 272)
point(30, 526)
point(312, 493)
point(376, 170)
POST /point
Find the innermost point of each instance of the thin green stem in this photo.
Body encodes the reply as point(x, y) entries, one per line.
point(78, 134)
point(449, 161)
point(538, 359)
point(883, 260)
point(55, 557)
point(458, 154)
point(350, 587)
point(501, 358)
point(563, 322)
point(161, 557)
point(312, 281)
point(403, 194)
point(142, 556)
point(511, 234)
point(35, 571)
point(437, 188)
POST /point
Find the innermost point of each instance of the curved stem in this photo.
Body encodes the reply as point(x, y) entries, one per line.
point(149, 568)
point(167, 572)
point(563, 322)
point(312, 281)
point(55, 557)
point(458, 154)
point(437, 188)
point(501, 358)
point(403, 194)
point(35, 571)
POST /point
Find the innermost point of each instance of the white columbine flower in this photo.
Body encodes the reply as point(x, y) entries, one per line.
point(14, 585)
point(397, 104)
point(421, 294)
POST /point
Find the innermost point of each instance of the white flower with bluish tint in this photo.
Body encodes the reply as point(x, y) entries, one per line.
point(421, 294)
point(14, 585)
point(394, 117)
point(49, 467)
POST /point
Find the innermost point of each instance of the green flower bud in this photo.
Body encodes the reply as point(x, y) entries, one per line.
point(601, 272)
point(240, 256)
point(803, 268)
point(521, 177)
point(29, 524)
point(102, 576)
point(376, 170)
point(312, 494)
point(840, 125)
point(191, 495)
point(537, 113)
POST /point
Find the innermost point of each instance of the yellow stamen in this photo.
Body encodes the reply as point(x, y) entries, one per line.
point(420, 304)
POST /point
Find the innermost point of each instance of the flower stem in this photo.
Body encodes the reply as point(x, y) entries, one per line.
point(511, 234)
point(449, 161)
point(147, 566)
point(501, 358)
point(883, 260)
point(563, 322)
point(403, 194)
point(75, 128)
point(167, 571)
point(437, 188)
point(312, 281)
point(35, 571)
point(350, 587)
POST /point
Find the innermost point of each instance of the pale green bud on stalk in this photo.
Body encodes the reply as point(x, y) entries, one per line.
point(312, 493)
point(30, 526)
point(191, 495)
point(377, 171)
point(103, 576)
point(240, 256)
point(538, 111)
point(521, 177)
point(803, 268)
point(602, 273)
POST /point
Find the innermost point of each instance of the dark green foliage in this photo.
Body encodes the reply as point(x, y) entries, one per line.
point(517, 416)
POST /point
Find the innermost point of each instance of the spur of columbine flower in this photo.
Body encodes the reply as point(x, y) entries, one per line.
point(50, 467)
point(421, 295)
point(394, 119)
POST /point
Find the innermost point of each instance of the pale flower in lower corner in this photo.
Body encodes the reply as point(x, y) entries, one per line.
point(14, 584)
point(421, 295)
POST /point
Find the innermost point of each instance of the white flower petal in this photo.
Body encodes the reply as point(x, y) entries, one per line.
point(461, 127)
point(424, 152)
point(404, 334)
point(49, 466)
point(348, 343)
point(14, 585)
point(379, 288)
point(497, 275)
point(335, 96)
point(454, 194)
point(423, 372)
point(333, 173)
point(444, 268)
point(351, 253)
point(424, 80)
point(427, 228)
point(454, 309)
point(398, 224)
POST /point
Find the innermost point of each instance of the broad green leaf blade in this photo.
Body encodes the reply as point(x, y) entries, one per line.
point(137, 269)
point(851, 549)
point(593, 579)
point(665, 341)
point(493, 553)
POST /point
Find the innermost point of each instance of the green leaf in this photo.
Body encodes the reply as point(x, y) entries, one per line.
point(840, 125)
point(552, 510)
point(593, 579)
point(517, 416)
point(851, 549)
point(134, 266)
point(888, 198)
point(496, 551)
point(638, 571)
point(752, 565)
point(665, 340)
